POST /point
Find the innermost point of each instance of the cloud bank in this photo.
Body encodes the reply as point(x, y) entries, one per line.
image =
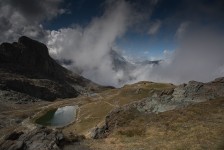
point(199, 57)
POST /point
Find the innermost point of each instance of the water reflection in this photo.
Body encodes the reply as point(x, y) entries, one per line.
point(58, 117)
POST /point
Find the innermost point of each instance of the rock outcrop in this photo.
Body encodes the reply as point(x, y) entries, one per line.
point(42, 138)
point(181, 96)
point(99, 132)
point(38, 139)
point(161, 101)
point(26, 67)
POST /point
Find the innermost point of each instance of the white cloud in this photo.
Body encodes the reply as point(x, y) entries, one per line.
point(199, 57)
point(89, 47)
point(24, 18)
point(154, 27)
point(182, 29)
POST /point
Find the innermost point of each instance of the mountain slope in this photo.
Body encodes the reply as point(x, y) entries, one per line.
point(26, 67)
point(143, 115)
point(119, 62)
point(198, 126)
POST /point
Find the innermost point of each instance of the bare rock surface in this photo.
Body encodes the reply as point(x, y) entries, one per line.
point(181, 96)
point(40, 139)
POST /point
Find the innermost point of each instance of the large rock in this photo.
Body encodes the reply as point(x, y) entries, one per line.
point(42, 139)
point(38, 139)
point(98, 132)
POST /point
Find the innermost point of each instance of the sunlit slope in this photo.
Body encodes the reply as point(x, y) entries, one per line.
point(198, 126)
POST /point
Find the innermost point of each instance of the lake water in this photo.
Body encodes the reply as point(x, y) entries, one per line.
point(58, 117)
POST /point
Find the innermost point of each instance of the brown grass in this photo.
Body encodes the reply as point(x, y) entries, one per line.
point(90, 116)
point(93, 112)
point(199, 126)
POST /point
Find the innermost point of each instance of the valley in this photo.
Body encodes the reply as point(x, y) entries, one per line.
point(195, 125)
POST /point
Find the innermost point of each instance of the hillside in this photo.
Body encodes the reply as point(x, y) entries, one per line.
point(26, 68)
point(198, 126)
point(138, 116)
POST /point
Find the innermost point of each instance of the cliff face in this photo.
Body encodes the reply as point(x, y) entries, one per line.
point(27, 54)
point(26, 67)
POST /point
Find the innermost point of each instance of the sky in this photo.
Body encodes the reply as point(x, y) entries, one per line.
point(148, 39)
point(187, 35)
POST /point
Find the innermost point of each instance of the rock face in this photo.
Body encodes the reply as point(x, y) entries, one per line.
point(99, 132)
point(29, 54)
point(26, 67)
point(181, 96)
point(42, 138)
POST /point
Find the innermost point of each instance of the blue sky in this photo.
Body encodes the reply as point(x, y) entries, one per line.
point(78, 12)
point(143, 45)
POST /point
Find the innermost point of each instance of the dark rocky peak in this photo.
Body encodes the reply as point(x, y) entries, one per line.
point(27, 55)
point(34, 46)
point(25, 48)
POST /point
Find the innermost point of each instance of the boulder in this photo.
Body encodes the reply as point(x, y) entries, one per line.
point(38, 139)
point(99, 132)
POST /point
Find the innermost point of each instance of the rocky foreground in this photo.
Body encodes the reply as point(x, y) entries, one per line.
point(41, 139)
